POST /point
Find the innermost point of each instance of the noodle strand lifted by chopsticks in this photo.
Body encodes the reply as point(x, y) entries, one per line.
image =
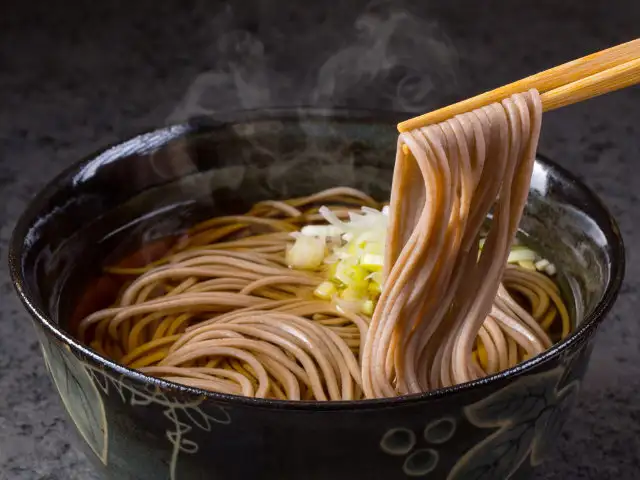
point(439, 292)
point(223, 311)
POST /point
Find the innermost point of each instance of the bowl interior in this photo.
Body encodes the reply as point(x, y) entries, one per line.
point(160, 183)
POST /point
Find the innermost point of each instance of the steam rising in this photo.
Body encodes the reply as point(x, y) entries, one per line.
point(389, 59)
point(385, 59)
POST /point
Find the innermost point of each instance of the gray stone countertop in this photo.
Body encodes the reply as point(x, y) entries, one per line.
point(77, 75)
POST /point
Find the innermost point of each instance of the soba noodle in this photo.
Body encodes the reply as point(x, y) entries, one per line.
point(224, 311)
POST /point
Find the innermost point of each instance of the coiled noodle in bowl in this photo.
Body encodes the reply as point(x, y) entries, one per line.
point(337, 296)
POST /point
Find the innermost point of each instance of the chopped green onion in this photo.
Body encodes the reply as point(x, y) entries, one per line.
point(528, 265)
point(542, 264)
point(521, 255)
point(367, 307)
point(351, 294)
point(307, 253)
point(353, 254)
point(325, 291)
point(372, 262)
point(375, 285)
point(348, 274)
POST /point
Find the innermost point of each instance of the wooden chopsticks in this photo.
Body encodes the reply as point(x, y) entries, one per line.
point(587, 77)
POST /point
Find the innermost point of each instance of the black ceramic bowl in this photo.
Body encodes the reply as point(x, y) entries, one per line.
point(154, 185)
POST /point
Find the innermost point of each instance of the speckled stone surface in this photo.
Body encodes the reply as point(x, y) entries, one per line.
point(77, 75)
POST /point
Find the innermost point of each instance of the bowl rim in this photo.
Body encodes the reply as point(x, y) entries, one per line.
point(587, 327)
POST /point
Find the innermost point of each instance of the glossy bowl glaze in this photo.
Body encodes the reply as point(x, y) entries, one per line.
point(158, 183)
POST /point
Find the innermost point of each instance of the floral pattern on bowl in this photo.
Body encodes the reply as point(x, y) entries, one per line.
point(79, 395)
point(80, 385)
point(527, 417)
point(419, 462)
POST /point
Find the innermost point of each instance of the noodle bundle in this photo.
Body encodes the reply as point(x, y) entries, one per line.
point(267, 304)
point(432, 257)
